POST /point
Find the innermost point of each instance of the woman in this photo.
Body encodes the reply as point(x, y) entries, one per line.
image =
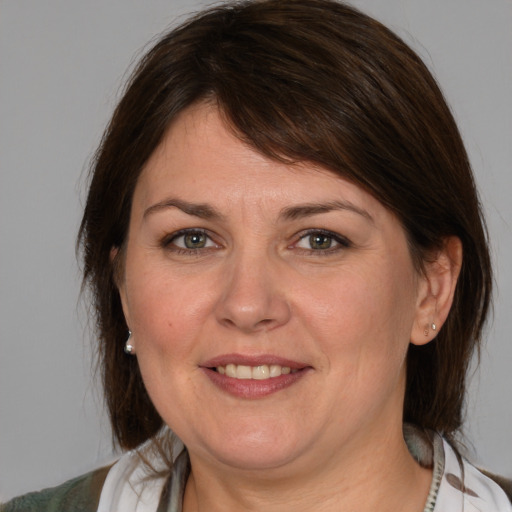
point(288, 262)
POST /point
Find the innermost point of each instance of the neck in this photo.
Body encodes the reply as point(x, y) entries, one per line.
point(368, 476)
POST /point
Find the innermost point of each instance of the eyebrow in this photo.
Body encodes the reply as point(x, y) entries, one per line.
point(201, 210)
point(206, 211)
point(306, 210)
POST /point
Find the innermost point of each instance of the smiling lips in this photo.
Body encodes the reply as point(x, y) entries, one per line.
point(253, 377)
point(260, 372)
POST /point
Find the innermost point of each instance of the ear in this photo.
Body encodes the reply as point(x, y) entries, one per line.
point(116, 256)
point(436, 289)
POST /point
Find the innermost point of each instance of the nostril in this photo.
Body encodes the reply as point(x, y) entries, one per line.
point(251, 304)
point(248, 324)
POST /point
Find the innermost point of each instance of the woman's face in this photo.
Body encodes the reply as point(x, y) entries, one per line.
point(271, 305)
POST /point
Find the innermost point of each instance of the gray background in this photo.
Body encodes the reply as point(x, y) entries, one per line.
point(61, 65)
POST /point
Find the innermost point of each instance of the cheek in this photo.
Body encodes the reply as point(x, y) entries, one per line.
point(363, 318)
point(167, 311)
point(168, 319)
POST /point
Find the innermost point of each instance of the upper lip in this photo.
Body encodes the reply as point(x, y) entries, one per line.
point(252, 360)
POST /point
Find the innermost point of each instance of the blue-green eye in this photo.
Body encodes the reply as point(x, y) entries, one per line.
point(195, 240)
point(320, 240)
point(191, 240)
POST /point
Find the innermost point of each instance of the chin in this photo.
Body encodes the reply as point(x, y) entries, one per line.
point(255, 449)
point(256, 459)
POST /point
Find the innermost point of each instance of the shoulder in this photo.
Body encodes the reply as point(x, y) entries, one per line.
point(504, 483)
point(78, 495)
point(479, 490)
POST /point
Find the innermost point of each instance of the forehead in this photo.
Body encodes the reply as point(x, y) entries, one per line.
point(207, 172)
point(199, 148)
point(201, 159)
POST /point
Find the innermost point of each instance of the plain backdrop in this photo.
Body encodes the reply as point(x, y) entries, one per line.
point(62, 63)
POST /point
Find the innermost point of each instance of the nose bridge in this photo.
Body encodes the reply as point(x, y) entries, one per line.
point(253, 297)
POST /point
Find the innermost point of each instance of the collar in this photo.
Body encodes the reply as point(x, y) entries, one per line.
point(456, 485)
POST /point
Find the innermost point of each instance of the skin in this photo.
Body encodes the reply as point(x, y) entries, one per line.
point(259, 287)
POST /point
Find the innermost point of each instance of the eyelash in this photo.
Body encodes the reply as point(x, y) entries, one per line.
point(169, 242)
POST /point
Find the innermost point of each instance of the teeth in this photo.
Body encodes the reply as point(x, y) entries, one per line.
point(230, 370)
point(243, 372)
point(262, 372)
point(275, 370)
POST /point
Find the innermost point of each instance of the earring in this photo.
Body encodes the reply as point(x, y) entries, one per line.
point(128, 347)
point(432, 326)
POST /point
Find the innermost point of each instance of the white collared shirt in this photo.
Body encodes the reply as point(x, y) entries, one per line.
point(457, 486)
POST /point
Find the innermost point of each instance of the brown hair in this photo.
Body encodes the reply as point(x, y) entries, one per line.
point(299, 80)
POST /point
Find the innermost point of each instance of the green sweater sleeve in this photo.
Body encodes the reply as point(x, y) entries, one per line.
point(81, 494)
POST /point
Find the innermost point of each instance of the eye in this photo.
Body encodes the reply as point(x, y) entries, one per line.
point(318, 241)
point(189, 240)
point(322, 241)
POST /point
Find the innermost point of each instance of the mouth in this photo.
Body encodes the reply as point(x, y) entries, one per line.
point(260, 372)
point(253, 376)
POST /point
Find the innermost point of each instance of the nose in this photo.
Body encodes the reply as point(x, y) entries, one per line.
point(253, 297)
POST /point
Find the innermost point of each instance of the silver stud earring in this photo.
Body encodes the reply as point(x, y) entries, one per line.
point(432, 326)
point(128, 347)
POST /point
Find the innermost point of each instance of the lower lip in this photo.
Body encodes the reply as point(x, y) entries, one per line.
point(253, 388)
